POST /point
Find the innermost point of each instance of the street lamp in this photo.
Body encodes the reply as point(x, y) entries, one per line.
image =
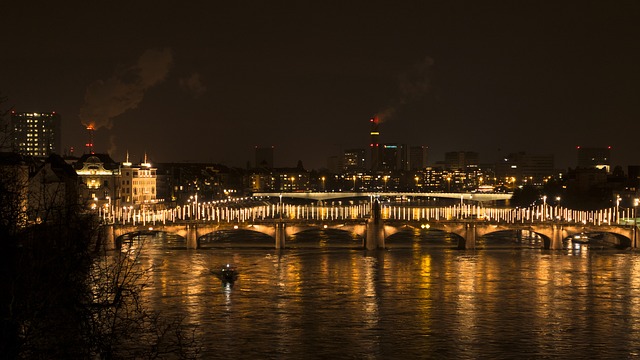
point(618, 209)
point(544, 208)
point(386, 177)
point(354, 183)
point(323, 179)
point(636, 202)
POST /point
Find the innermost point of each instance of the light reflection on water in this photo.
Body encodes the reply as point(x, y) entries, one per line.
point(421, 298)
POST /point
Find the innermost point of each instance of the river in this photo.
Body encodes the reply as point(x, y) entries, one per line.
point(325, 298)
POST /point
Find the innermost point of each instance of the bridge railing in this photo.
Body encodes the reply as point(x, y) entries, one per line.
point(540, 213)
point(215, 213)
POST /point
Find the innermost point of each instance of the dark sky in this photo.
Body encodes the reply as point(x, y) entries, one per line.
point(209, 81)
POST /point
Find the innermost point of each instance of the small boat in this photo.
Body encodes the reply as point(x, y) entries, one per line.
point(227, 274)
point(580, 239)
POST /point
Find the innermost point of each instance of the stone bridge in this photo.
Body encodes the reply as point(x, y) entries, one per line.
point(373, 231)
point(552, 233)
point(193, 231)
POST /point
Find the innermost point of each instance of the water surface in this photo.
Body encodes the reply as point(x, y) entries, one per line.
point(324, 297)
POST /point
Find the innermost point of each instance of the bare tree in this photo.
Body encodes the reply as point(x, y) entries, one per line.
point(120, 320)
point(5, 126)
point(59, 298)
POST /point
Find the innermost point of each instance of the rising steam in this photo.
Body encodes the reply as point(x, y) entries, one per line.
point(107, 99)
point(411, 85)
point(193, 85)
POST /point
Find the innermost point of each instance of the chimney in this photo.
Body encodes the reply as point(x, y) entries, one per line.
point(89, 145)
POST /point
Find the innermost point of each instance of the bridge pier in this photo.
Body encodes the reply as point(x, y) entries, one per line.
point(281, 235)
point(556, 237)
point(192, 236)
point(374, 238)
point(106, 237)
point(470, 236)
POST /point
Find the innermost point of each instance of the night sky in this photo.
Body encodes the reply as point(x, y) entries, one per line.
point(208, 81)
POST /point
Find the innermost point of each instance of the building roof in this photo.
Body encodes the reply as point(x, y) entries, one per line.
point(107, 162)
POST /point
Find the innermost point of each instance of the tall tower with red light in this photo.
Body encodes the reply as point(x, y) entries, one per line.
point(375, 143)
point(89, 145)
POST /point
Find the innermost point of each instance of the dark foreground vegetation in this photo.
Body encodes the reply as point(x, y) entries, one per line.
point(63, 299)
point(61, 295)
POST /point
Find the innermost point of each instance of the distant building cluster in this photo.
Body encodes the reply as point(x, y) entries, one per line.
point(95, 180)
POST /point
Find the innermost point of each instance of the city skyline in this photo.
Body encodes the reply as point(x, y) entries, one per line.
point(210, 83)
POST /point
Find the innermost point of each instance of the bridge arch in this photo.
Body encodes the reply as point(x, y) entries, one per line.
point(420, 235)
point(153, 236)
point(244, 236)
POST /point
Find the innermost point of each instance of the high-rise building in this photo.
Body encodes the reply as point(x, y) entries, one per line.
point(460, 160)
point(264, 157)
point(375, 143)
point(594, 157)
point(353, 160)
point(393, 157)
point(418, 157)
point(35, 134)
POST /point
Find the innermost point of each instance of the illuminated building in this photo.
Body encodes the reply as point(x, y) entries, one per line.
point(36, 134)
point(353, 160)
point(99, 179)
point(288, 179)
point(138, 184)
point(261, 181)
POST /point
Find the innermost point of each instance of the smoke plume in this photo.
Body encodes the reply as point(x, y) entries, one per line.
point(411, 85)
point(106, 99)
point(112, 145)
point(193, 85)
